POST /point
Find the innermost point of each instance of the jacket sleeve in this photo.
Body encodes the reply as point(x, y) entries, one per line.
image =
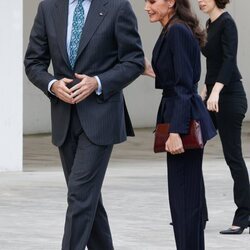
point(181, 43)
point(229, 40)
point(37, 57)
point(130, 58)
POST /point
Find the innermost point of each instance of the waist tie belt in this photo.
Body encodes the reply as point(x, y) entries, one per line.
point(170, 92)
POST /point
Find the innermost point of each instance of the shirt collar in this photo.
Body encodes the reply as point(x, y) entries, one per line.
point(72, 1)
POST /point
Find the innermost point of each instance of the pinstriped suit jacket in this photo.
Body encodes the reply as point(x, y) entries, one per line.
point(176, 62)
point(110, 48)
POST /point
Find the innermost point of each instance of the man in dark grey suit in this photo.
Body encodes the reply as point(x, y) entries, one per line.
point(96, 51)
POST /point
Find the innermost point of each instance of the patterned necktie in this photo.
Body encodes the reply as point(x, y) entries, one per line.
point(77, 26)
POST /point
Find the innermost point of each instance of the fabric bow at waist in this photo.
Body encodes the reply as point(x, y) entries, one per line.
point(170, 92)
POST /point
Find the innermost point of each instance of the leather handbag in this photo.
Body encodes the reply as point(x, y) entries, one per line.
point(192, 140)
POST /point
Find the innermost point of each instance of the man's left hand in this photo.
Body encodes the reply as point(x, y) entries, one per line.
point(84, 88)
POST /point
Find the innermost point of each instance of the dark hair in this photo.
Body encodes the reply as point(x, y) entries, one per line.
point(221, 4)
point(183, 13)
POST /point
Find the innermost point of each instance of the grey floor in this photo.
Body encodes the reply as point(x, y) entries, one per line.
point(33, 202)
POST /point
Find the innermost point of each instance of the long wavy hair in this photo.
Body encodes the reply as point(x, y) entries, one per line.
point(182, 13)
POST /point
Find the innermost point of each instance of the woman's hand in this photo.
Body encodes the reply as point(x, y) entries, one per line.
point(213, 100)
point(148, 69)
point(203, 93)
point(174, 144)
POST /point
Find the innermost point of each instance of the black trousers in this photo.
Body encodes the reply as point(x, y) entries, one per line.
point(204, 203)
point(229, 120)
point(185, 187)
point(84, 166)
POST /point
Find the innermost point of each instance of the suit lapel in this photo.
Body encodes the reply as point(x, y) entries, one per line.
point(60, 16)
point(157, 48)
point(96, 15)
point(161, 39)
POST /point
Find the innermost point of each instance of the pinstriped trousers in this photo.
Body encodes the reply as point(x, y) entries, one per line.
point(84, 166)
point(185, 198)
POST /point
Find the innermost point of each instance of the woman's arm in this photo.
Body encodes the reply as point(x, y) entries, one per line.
point(229, 43)
point(181, 44)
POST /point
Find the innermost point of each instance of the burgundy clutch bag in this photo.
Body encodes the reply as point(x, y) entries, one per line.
point(192, 140)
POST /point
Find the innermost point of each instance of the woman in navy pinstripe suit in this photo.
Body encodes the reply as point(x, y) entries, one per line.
point(176, 64)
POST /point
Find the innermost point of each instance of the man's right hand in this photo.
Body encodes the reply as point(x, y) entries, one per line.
point(61, 91)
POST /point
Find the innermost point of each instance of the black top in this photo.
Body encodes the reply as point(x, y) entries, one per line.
point(221, 52)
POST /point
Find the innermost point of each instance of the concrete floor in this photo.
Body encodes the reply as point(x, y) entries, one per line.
point(33, 202)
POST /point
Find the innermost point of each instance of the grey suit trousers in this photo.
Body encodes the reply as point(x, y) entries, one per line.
point(84, 165)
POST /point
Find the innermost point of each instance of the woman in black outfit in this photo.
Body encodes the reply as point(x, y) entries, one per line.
point(226, 101)
point(176, 64)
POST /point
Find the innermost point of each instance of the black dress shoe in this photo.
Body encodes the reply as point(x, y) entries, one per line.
point(234, 231)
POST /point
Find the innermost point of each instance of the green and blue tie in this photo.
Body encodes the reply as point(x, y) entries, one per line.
point(77, 26)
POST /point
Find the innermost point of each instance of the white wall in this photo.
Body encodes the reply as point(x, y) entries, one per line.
point(11, 85)
point(142, 99)
point(242, 18)
point(36, 108)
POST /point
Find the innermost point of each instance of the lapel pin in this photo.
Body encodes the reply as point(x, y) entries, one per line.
point(101, 14)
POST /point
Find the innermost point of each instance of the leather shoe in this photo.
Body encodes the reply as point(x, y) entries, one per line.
point(239, 230)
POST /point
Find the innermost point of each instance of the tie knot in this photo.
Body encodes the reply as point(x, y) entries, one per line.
point(80, 1)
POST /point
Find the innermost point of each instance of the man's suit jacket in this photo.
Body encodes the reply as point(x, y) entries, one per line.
point(110, 48)
point(176, 62)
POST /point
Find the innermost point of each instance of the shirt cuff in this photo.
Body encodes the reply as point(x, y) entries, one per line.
point(50, 85)
point(99, 90)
